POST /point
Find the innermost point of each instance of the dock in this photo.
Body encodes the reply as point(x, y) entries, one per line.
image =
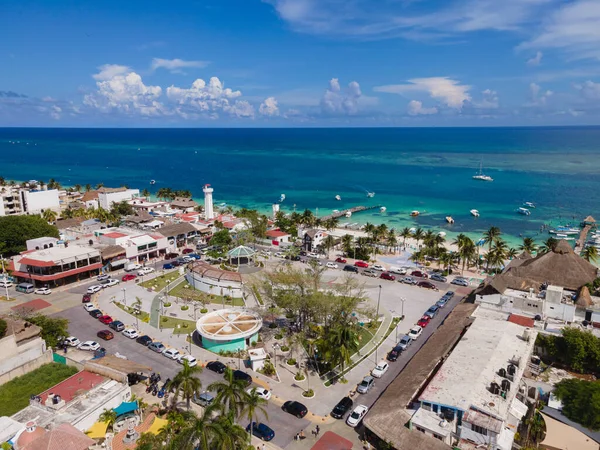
point(353, 210)
point(582, 239)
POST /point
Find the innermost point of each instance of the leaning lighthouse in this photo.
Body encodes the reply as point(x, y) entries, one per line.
point(209, 213)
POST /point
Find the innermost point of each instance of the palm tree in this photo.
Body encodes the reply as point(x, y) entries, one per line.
point(308, 218)
point(340, 343)
point(77, 188)
point(230, 393)
point(590, 254)
point(145, 193)
point(549, 245)
point(88, 187)
point(391, 240)
point(405, 233)
point(109, 416)
point(418, 235)
point(186, 383)
point(254, 405)
point(491, 236)
point(331, 223)
point(511, 253)
point(370, 229)
point(528, 245)
point(347, 241)
point(328, 243)
point(232, 436)
point(446, 259)
point(67, 214)
point(99, 185)
point(466, 250)
point(49, 215)
point(202, 432)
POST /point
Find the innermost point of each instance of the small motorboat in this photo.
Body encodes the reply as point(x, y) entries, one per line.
point(412, 230)
point(524, 211)
point(370, 194)
point(474, 213)
point(382, 209)
point(282, 198)
point(449, 219)
point(442, 234)
point(337, 197)
point(348, 214)
point(564, 237)
point(415, 213)
point(529, 204)
point(152, 181)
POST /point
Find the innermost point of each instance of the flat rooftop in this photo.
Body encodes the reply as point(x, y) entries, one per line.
point(464, 379)
point(57, 254)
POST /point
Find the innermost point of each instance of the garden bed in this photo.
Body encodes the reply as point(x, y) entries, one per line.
point(187, 326)
point(160, 282)
point(185, 291)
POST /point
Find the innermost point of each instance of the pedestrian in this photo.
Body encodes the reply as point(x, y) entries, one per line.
point(318, 430)
point(263, 447)
point(297, 437)
point(302, 434)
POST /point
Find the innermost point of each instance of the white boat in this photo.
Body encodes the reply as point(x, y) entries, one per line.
point(481, 176)
point(565, 232)
point(282, 198)
point(449, 219)
point(564, 237)
point(348, 213)
point(474, 213)
point(412, 230)
point(524, 211)
point(415, 213)
point(383, 209)
point(152, 181)
point(370, 194)
point(442, 234)
point(529, 205)
point(337, 197)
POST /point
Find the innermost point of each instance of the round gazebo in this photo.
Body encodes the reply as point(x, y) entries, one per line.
point(240, 255)
point(229, 329)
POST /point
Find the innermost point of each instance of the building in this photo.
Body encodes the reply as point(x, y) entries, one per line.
point(36, 202)
point(137, 246)
point(228, 329)
point(10, 202)
point(209, 213)
point(311, 239)
point(212, 280)
point(106, 197)
point(57, 265)
point(41, 243)
point(179, 234)
point(65, 436)
point(22, 349)
point(186, 205)
point(278, 237)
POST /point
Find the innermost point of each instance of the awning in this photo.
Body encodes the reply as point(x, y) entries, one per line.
point(126, 407)
point(157, 425)
point(119, 262)
point(98, 430)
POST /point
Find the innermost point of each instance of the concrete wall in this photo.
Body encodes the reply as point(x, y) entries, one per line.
point(105, 200)
point(204, 284)
point(36, 202)
point(527, 306)
point(227, 346)
point(44, 358)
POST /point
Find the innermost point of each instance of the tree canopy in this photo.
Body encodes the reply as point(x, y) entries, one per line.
point(581, 401)
point(576, 349)
point(53, 328)
point(221, 237)
point(15, 230)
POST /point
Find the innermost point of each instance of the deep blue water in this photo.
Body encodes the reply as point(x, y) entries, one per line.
point(427, 169)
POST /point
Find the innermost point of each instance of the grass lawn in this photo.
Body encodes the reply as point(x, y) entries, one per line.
point(14, 395)
point(160, 282)
point(182, 290)
point(143, 315)
point(366, 333)
point(187, 326)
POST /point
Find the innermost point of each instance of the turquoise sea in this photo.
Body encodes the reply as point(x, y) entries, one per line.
point(425, 169)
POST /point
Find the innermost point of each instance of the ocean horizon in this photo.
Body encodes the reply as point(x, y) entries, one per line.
point(425, 169)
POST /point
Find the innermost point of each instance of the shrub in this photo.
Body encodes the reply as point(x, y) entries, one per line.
point(269, 368)
point(308, 394)
point(279, 336)
point(272, 325)
point(204, 310)
point(167, 304)
point(284, 348)
point(146, 319)
point(2, 328)
point(185, 307)
point(164, 319)
point(299, 376)
point(291, 361)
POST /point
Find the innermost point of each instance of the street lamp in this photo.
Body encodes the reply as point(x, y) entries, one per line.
point(190, 342)
point(378, 300)
point(3, 272)
point(124, 296)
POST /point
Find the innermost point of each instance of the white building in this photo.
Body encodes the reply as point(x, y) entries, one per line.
point(106, 198)
point(137, 246)
point(36, 202)
point(209, 212)
point(215, 281)
point(10, 202)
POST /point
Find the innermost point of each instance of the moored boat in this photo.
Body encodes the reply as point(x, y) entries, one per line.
point(337, 197)
point(474, 213)
point(529, 204)
point(524, 211)
point(481, 176)
point(383, 209)
point(348, 213)
point(449, 219)
point(370, 194)
point(415, 213)
point(565, 232)
point(282, 198)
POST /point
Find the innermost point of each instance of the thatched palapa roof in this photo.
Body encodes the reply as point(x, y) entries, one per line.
point(584, 299)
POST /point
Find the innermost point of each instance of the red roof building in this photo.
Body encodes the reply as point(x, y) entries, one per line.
point(524, 321)
point(72, 386)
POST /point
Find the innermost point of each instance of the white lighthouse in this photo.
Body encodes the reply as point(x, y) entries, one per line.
point(209, 214)
point(275, 210)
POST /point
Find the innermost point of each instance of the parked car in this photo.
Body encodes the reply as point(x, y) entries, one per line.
point(128, 277)
point(157, 347)
point(449, 294)
point(398, 270)
point(168, 266)
point(5, 284)
point(131, 333)
point(171, 255)
point(295, 409)
point(357, 415)
point(378, 267)
point(442, 302)
point(427, 285)
point(415, 332)
point(394, 354)
point(117, 325)
point(105, 334)
point(216, 366)
point(303, 253)
point(144, 340)
point(261, 392)
point(331, 265)
point(171, 353)
point(86, 298)
point(295, 258)
point(43, 291)
point(96, 313)
point(369, 273)
point(94, 288)
point(130, 267)
point(194, 256)
point(424, 321)
point(105, 319)
point(71, 341)
point(185, 251)
point(341, 260)
point(103, 277)
point(241, 375)
point(205, 399)
point(418, 274)
point(405, 342)
point(408, 280)
point(176, 263)
point(438, 277)
point(431, 312)
point(110, 282)
point(343, 406)
point(361, 264)
point(380, 369)
point(89, 346)
point(387, 276)
point(89, 307)
point(365, 385)
point(192, 362)
point(261, 431)
point(460, 281)
point(145, 271)
point(349, 268)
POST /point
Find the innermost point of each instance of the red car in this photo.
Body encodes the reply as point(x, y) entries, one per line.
point(86, 298)
point(424, 321)
point(361, 264)
point(105, 334)
point(187, 250)
point(418, 274)
point(387, 276)
point(427, 285)
point(105, 319)
point(341, 260)
point(128, 277)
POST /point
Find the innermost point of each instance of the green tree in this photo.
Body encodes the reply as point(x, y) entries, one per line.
point(3, 326)
point(221, 237)
point(339, 343)
point(419, 234)
point(405, 234)
point(581, 401)
point(590, 254)
point(254, 405)
point(49, 215)
point(15, 230)
point(328, 243)
point(202, 433)
point(53, 328)
point(549, 245)
point(528, 245)
point(186, 383)
point(109, 416)
point(491, 236)
point(230, 393)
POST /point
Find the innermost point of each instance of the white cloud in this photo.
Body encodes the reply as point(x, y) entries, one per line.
point(448, 91)
point(269, 107)
point(573, 28)
point(415, 108)
point(589, 90)
point(55, 112)
point(489, 100)
point(538, 98)
point(176, 65)
point(338, 101)
point(124, 92)
point(108, 71)
point(536, 60)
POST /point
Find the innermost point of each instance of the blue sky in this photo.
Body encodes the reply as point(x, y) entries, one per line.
point(300, 63)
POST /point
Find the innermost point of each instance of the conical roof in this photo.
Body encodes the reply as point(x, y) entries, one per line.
point(589, 219)
point(584, 299)
point(241, 252)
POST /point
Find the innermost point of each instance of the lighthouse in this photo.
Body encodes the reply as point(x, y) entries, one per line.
point(209, 214)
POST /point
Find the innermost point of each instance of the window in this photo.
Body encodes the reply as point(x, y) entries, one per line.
point(422, 430)
point(437, 436)
point(478, 429)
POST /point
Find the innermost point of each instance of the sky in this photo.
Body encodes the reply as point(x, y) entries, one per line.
point(287, 63)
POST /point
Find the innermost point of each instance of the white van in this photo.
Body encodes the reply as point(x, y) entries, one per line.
point(27, 288)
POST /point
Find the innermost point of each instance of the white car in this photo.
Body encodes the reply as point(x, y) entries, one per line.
point(190, 360)
point(145, 271)
point(89, 346)
point(93, 289)
point(172, 353)
point(331, 265)
point(380, 369)
point(261, 392)
point(280, 254)
point(72, 341)
point(378, 267)
point(42, 291)
point(5, 284)
point(460, 281)
point(313, 255)
point(111, 282)
point(357, 415)
point(89, 307)
point(102, 277)
point(130, 333)
point(415, 332)
point(397, 270)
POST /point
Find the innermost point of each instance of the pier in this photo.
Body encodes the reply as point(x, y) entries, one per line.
point(353, 210)
point(582, 239)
